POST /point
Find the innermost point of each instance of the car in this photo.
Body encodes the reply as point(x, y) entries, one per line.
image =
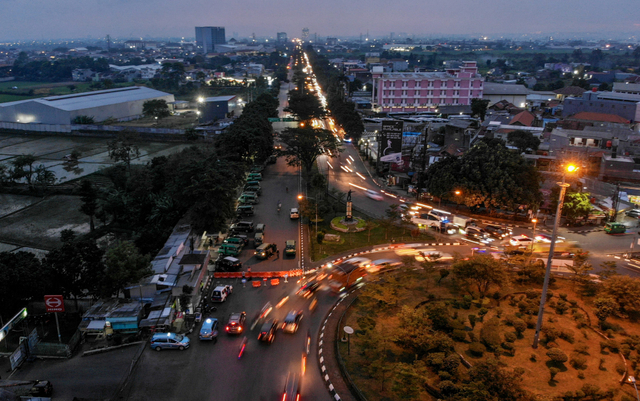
point(546, 238)
point(635, 213)
point(477, 233)
point(383, 264)
point(373, 195)
point(221, 292)
point(359, 261)
point(228, 263)
point(237, 239)
point(292, 321)
point(235, 325)
point(268, 331)
point(290, 248)
point(308, 289)
point(294, 213)
point(209, 330)
point(229, 249)
point(41, 388)
point(292, 387)
point(496, 231)
point(161, 341)
point(241, 226)
point(521, 241)
point(265, 250)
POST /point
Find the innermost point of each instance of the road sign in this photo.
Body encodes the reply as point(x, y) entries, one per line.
point(54, 303)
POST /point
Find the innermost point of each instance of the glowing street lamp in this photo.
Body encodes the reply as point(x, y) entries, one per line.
point(571, 168)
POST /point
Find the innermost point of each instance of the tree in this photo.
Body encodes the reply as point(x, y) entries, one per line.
point(305, 106)
point(407, 382)
point(605, 307)
point(608, 269)
point(625, 291)
point(479, 107)
point(480, 271)
point(487, 175)
point(23, 167)
point(124, 265)
point(44, 177)
point(156, 108)
point(577, 204)
point(76, 266)
point(89, 197)
point(83, 120)
point(523, 140)
point(489, 380)
point(124, 148)
point(304, 145)
point(557, 356)
point(23, 279)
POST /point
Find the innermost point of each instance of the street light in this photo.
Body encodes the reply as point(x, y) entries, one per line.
point(300, 197)
point(563, 189)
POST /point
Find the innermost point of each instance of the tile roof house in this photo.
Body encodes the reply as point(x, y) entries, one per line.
point(601, 117)
point(567, 91)
point(524, 118)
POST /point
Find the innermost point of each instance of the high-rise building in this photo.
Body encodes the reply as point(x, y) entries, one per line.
point(209, 36)
point(282, 37)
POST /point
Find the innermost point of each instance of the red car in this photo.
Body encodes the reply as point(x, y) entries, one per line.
point(236, 323)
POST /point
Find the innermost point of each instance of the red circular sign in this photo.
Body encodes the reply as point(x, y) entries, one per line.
point(54, 303)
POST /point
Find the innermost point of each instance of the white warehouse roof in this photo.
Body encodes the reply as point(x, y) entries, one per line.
point(99, 98)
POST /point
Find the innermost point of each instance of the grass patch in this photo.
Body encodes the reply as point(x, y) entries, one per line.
point(360, 239)
point(12, 98)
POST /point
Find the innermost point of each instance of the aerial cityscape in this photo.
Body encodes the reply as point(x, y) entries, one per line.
point(401, 201)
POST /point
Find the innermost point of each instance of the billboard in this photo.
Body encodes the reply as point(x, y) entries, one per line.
point(391, 137)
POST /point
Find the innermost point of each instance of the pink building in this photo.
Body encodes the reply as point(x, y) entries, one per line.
point(425, 91)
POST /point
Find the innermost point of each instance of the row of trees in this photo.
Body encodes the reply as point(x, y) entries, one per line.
point(58, 70)
point(77, 268)
point(22, 169)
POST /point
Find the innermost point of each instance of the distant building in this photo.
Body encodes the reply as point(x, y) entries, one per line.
point(625, 105)
point(134, 44)
point(426, 91)
point(218, 107)
point(282, 37)
point(209, 36)
point(512, 93)
point(121, 104)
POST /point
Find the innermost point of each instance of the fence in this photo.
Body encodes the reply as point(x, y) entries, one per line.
point(58, 350)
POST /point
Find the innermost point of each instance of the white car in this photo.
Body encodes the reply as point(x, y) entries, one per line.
point(294, 214)
point(521, 241)
point(373, 195)
point(383, 264)
point(359, 261)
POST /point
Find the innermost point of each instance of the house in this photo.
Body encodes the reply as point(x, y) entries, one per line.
point(569, 91)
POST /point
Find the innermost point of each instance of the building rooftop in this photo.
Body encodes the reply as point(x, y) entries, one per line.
point(219, 98)
point(609, 118)
point(570, 91)
point(492, 88)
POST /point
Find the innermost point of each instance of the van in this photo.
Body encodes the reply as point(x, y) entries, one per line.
point(260, 228)
point(615, 228)
point(209, 330)
point(241, 226)
point(258, 239)
point(250, 193)
point(244, 210)
point(254, 177)
point(253, 188)
point(236, 240)
point(230, 249)
point(265, 250)
point(248, 199)
point(253, 183)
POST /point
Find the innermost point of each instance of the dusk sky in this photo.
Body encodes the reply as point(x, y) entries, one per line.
point(54, 19)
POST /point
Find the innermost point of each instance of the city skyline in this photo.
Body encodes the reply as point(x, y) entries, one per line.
point(42, 20)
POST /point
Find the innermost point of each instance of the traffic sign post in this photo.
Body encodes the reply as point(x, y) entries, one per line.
point(55, 304)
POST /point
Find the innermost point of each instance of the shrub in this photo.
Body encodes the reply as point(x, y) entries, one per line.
point(451, 363)
point(550, 333)
point(477, 349)
point(563, 296)
point(553, 372)
point(444, 375)
point(626, 350)
point(578, 361)
point(499, 312)
point(509, 347)
point(496, 295)
point(520, 326)
point(459, 335)
point(530, 322)
point(472, 336)
point(466, 301)
point(509, 337)
point(620, 368)
point(482, 312)
point(613, 345)
point(533, 358)
point(601, 365)
point(472, 320)
point(447, 387)
point(561, 307)
point(567, 335)
point(581, 375)
point(581, 349)
point(490, 334)
point(531, 294)
point(556, 355)
point(603, 346)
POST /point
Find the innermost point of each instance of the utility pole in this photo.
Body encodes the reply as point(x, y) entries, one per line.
point(424, 161)
point(108, 44)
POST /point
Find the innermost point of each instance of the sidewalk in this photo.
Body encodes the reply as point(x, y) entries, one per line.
point(339, 387)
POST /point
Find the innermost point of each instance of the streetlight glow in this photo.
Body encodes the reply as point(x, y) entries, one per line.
point(572, 168)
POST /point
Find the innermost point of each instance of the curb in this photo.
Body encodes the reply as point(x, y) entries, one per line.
point(321, 365)
point(107, 349)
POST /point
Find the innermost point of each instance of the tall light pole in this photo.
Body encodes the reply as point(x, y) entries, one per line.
point(300, 197)
point(563, 189)
point(633, 381)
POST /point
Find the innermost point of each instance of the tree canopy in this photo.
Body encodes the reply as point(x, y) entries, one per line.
point(488, 175)
point(304, 145)
point(523, 140)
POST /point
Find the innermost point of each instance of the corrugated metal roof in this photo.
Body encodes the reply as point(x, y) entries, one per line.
point(219, 99)
point(88, 100)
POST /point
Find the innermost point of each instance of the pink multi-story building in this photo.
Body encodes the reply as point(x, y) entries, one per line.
point(425, 91)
